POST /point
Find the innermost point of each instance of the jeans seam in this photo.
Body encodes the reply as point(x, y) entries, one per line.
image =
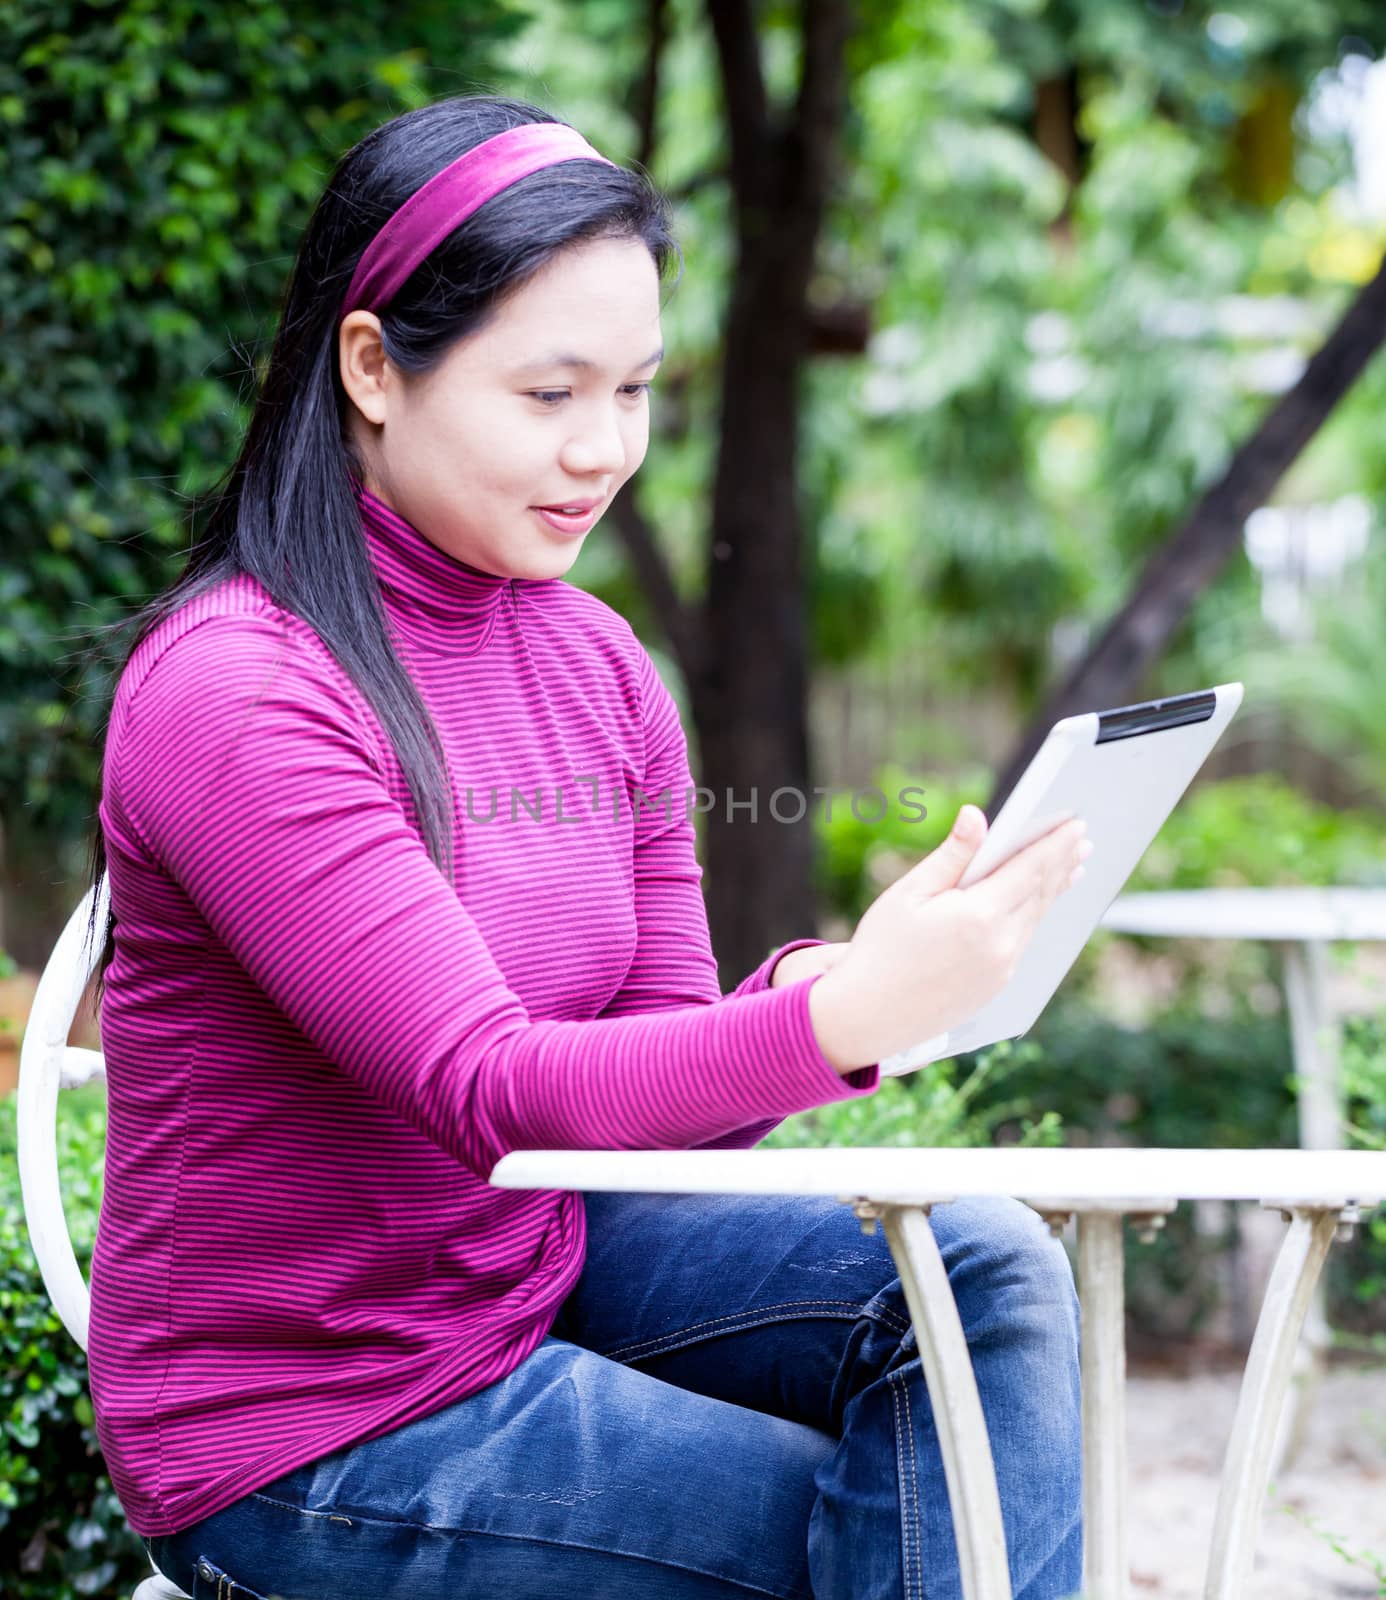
point(908, 1483)
point(799, 1310)
point(916, 1520)
point(525, 1538)
point(307, 1511)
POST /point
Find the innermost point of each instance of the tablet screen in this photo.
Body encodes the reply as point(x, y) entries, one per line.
point(1123, 771)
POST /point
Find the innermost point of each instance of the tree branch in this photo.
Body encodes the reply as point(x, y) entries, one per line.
point(818, 108)
point(682, 624)
point(743, 88)
point(1189, 561)
point(695, 183)
point(646, 94)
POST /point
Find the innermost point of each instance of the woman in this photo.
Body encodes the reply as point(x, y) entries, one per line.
point(349, 970)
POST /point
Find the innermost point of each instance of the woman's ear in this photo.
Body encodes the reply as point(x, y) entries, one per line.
point(362, 363)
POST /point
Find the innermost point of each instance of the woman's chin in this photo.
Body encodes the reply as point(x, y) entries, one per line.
point(553, 562)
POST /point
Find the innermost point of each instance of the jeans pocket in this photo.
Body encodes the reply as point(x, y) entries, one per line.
point(211, 1583)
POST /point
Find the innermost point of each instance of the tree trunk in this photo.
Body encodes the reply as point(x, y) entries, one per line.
point(749, 687)
point(749, 698)
point(1186, 564)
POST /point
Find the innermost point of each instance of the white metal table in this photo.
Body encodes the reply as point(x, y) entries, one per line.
point(1319, 1193)
point(1300, 922)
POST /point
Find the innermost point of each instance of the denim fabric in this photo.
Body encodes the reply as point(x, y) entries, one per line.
point(730, 1403)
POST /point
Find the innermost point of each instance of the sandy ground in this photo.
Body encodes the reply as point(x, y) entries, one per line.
point(1334, 1492)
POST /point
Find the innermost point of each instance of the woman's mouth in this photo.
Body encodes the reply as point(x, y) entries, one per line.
point(571, 520)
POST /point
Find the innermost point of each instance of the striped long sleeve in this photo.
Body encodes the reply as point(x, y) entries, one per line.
point(318, 1045)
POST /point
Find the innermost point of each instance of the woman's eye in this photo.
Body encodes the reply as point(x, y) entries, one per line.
point(552, 397)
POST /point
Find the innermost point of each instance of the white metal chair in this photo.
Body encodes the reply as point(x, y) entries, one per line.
point(47, 1063)
point(1320, 1194)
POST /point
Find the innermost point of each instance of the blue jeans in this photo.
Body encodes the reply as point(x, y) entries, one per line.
point(730, 1403)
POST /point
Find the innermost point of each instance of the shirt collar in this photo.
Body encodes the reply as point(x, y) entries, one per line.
point(433, 598)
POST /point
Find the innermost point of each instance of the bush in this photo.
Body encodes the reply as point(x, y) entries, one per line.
point(63, 1533)
point(158, 164)
point(1197, 1082)
point(1261, 831)
point(856, 859)
point(1211, 1069)
point(1181, 1082)
point(966, 1101)
point(1357, 1271)
point(1258, 831)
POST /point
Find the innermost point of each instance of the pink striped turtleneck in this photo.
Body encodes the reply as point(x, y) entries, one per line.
point(317, 1047)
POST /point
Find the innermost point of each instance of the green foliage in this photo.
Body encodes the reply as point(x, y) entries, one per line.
point(1178, 1082)
point(62, 1531)
point(963, 1102)
point(1049, 387)
point(159, 162)
point(1364, 1080)
point(1328, 689)
point(1189, 1081)
point(1213, 1069)
point(862, 846)
point(1358, 1272)
point(1256, 832)
point(1032, 414)
point(1046, 386)
point(1261, 832)
point(1372, 1565)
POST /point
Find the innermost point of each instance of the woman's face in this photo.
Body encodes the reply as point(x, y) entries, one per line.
point(545, 406)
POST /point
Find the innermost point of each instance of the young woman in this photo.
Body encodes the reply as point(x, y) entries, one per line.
point(347, 972)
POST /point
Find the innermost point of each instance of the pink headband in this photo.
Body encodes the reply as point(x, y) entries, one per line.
point(429, 215)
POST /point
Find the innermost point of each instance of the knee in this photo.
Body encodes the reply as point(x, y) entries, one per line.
point(1006, 1269)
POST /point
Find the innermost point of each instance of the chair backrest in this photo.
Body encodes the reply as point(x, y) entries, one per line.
point(47, 1063)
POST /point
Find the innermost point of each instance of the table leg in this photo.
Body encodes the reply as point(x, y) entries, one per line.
point(1101, 1290)
point(1314, 1052)
point(957, 1407)
point(1247, 1469)
point(1314, 1047)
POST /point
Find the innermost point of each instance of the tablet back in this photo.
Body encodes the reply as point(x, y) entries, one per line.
point(1123, 771)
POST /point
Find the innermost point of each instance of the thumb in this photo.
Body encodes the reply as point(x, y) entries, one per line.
point(944, 865)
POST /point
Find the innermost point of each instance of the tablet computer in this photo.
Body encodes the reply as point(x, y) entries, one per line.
point(1123, 771)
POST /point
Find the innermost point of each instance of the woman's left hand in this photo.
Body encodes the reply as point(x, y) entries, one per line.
point(805, 963)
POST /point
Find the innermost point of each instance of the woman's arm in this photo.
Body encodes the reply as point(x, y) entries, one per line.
point(241, 764)
point(806, 958)
point(673, 964)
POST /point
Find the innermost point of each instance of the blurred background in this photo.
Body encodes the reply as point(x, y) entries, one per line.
point(1024, 362)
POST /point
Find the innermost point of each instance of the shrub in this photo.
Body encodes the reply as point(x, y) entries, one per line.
point(158, 163)
point(966, 1101)
point(856, 858)
point(1261, 831)
point(1357, 1271)
point(63, 1533)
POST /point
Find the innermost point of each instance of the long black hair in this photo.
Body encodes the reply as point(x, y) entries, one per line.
point(285, 511)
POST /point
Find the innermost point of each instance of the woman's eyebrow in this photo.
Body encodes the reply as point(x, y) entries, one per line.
point(580, 363)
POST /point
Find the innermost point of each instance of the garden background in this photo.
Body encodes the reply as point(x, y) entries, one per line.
point(1023, 362)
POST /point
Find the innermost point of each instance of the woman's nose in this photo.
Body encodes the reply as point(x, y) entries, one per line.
point(597, 447)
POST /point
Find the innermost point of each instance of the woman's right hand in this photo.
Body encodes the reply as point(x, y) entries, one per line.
point(926, 955)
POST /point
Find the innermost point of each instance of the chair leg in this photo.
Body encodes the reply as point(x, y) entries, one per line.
point(159, 1588)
